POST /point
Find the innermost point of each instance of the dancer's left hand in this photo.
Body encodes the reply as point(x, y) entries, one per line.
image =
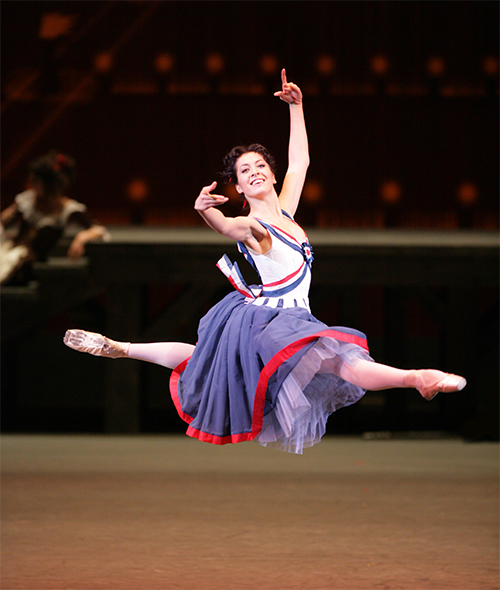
point(290, 92)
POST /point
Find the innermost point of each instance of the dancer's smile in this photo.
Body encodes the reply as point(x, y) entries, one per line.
point(253, 171)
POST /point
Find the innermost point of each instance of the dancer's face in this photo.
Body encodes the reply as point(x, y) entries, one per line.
point(254, 174)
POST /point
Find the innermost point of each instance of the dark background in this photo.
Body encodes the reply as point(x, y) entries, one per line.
point(430, 134)
point(403, 134)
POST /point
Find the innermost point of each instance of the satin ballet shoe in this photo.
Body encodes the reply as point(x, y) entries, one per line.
point(430, 382)
point(95, 344)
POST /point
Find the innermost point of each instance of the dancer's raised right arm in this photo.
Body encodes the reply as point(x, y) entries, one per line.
point(240, 229)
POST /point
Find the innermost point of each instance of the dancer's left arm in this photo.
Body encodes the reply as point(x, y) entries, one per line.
point(298, 147)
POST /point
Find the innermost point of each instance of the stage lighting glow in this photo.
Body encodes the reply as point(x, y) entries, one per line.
point(215, 63)
point(379, 65)
point(489, 65)
point(137, 190)
point(391, 192)
point(325, 65)
point(467, 193)
point(269, 64)
point(55, 24)
point(436, 66)
point(103, 62)
point(164, 63)
point(313, 192)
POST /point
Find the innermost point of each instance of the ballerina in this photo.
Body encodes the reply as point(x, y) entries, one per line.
point(264, 368)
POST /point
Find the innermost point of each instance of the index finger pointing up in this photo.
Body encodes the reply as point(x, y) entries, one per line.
point(283, 76)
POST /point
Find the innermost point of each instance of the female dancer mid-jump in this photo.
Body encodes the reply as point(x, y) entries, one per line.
point(264, 368)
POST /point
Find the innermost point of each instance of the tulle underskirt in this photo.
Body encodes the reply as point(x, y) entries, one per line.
point(309, 395)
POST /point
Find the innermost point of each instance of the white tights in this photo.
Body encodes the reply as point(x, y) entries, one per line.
point(364, 374)
point(167, 354)
point(373, 376)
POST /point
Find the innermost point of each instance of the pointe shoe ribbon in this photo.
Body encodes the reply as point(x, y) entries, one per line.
point(430, 382)
point(95, 344)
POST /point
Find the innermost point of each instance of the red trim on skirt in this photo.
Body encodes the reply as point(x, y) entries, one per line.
point(260, 393)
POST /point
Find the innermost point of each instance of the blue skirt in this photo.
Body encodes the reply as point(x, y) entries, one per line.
point(265, 374)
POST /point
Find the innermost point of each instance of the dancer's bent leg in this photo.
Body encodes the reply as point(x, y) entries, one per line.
point(167, 354)
point(375, 376)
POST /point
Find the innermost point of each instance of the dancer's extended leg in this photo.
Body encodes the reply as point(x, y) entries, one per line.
point(167, 354)
point(375, 376)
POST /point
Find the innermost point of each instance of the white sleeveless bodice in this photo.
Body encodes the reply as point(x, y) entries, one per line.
point(285, 271)
point(285, 275)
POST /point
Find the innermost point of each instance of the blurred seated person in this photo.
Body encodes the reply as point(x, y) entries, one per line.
point(32, 225)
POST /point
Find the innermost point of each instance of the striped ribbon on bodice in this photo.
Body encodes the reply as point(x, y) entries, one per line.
point(276, 288)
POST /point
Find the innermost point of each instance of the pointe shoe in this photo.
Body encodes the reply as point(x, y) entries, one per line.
point(430, 382)
point(95, 344)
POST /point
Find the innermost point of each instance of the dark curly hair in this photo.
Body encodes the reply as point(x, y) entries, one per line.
point(229, 172)
point(54, 169)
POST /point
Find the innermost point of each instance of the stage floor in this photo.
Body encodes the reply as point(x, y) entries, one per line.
point(169, 512)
